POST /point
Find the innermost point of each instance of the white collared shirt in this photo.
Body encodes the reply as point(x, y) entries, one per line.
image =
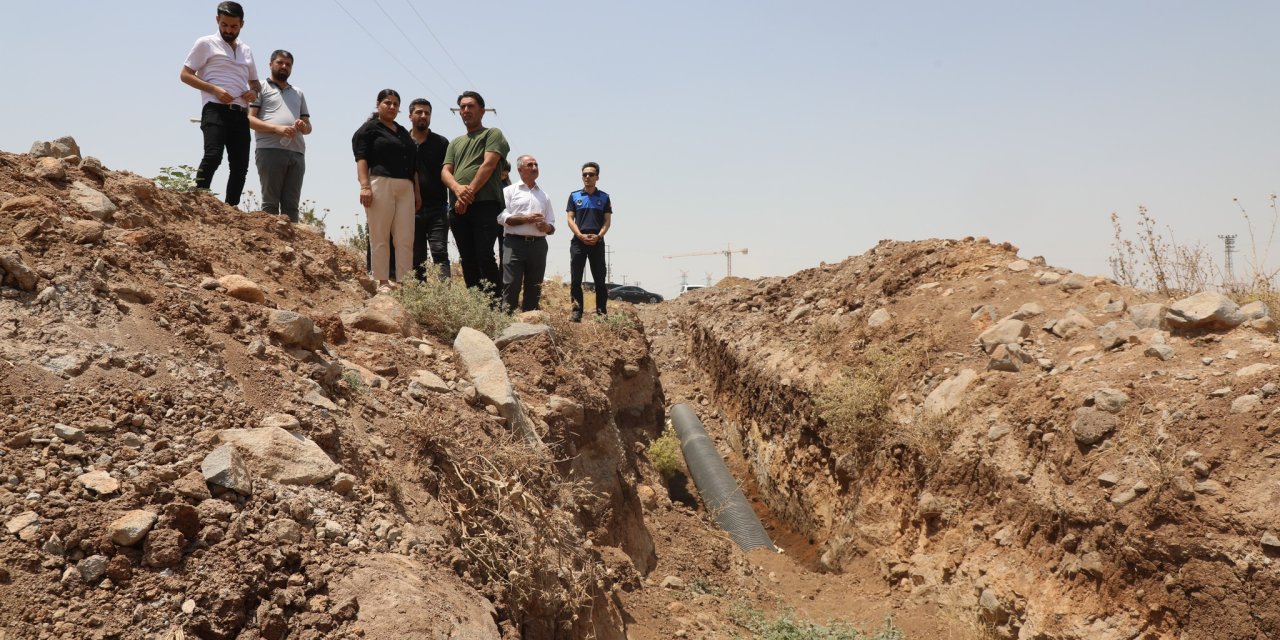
point(522, 201)
point(228, 67)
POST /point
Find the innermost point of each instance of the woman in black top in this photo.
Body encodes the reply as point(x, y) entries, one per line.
point(384, 153)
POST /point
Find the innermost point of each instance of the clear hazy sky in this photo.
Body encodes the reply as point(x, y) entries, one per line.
point(803, 131)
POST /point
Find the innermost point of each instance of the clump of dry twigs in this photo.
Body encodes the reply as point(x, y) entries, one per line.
point(516, 520)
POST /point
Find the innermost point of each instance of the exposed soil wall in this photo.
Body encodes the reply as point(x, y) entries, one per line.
point(1154, 530)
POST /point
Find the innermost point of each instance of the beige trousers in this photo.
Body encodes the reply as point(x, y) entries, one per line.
point(391, 218)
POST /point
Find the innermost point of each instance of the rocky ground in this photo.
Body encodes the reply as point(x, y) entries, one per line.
point(213, 428)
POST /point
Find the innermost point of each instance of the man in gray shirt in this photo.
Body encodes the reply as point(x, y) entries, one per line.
point(279, 119)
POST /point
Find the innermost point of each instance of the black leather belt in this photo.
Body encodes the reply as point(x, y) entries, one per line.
point(233, 107)
point(524, 238)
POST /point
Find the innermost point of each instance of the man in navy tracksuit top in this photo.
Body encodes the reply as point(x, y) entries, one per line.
point(589, 214)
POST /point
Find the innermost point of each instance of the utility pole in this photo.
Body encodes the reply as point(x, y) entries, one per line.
point(1228, 248)
point(608, 264)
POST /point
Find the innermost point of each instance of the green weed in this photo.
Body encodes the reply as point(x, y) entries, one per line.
point(443, 307)
point(664, 453)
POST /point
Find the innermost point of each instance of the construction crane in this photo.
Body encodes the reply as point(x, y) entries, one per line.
point(727, 253)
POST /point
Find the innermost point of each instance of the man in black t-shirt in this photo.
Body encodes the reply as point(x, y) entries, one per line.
point(431, 224)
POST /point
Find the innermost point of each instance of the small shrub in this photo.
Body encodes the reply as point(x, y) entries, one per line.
point(443, 307)
point(786, 626)
point(617, 321)
point(356, 240)
point(665, 454)
point(1149, 261)
point(857, 406)
point(353, 380)
point(181, 178)
point(250, 202)
point(307, 215)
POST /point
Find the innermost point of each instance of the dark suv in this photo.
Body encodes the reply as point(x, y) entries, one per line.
point(632, 293)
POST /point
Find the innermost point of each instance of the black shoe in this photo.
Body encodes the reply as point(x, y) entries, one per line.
point(576, 316)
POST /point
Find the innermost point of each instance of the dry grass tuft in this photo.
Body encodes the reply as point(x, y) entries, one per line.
point(515, 521)
point(859, 406)
point(443, 307)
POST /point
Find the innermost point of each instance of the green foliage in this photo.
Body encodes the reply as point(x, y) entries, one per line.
point(618, 322)
point(181, 178)
point(353, 380)
point(358, 241)
point(443, 307)
point(664, 453)
point(856, 406)
point(786, 626)
point(307, 215)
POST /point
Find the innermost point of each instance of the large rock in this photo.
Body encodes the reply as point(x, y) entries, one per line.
point(242, 288)
point(1116, 333)
point(287, 458)
point(1071, 325)
point(94, 202)
point(1092, 426)
point(1254, 310)
point(17, 272)
point(483, 365)
point(99, 482)
point(129, 529)
point(381, 314)
point(295, 330)
point(64, 147)
point(225, 468)
point(50, 169)
point(1073, 281)
point(1006, 332)
point(518, 331)
point(1008, 357)
point(1205, 310)
point(374, 593)
point(948, 395)
point(1149, 316)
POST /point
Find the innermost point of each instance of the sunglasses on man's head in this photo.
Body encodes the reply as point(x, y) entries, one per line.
point(588, 175)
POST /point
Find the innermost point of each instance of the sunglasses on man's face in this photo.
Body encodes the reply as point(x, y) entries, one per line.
point(588, 175)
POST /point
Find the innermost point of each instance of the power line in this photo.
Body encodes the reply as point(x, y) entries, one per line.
point(412, 44)
point(442, 47)
point(379, 43)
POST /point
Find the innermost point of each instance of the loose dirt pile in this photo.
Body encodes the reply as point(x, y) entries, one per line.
point(213, 428)
point(1062, 456)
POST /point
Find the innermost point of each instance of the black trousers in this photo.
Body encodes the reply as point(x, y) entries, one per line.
point(224, 128)
point(473, 232)
point(579, 255)
point(524, 264)
point(431, 240)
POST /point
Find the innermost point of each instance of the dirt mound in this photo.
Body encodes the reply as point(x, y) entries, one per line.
point(1055, 454)
point(140, 326)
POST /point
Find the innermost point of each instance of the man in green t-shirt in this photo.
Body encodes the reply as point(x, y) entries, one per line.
point(471, 167)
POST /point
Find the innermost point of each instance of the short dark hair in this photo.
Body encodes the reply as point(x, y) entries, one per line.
point(231, 10)
point(418, 101)
point(473, 95)
point(280, 53)
point(593, 166)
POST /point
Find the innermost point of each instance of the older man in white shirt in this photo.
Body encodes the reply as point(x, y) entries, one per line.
point(526, 221)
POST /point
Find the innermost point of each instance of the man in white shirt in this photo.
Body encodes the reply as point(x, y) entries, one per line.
point(221, 67)
point(526, 222)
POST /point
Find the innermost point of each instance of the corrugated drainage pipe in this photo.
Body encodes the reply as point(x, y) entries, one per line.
point(720, 492)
